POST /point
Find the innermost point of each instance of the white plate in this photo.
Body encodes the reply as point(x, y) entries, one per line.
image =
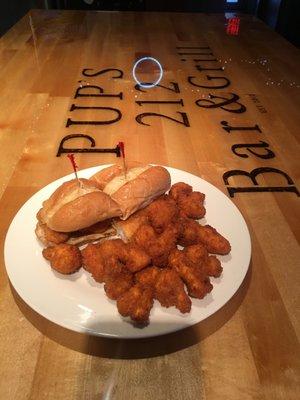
point(78, 303)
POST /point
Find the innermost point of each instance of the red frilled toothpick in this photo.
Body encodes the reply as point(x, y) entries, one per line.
point(75, 167)
point(122, 150)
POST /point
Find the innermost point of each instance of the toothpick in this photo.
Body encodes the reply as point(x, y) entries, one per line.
point(122, 150)
point(74, 165)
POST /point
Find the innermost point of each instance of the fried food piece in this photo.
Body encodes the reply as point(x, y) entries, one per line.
point(148, 276)
point(135, 258)
point(197, 253)
point(169, 291)
point(157, 246)
point(213, 267)
point(191, 205)
point(118, 280)
point(64, 258)
point(98, 231)
point(93, 261)
point(193, 233)
point(161, 213)
point(49, 237)
point(179, 189)
point(188, 232)
point(213, 240)
point(128, 227)
point(144, 236)
point(114, 247)
point(197, 283)
point(136, 303)
point(99, 227)
point(94, 256)
point(160, 249)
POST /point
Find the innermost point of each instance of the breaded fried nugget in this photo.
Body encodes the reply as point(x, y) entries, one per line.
point(191, 205)
point(114, 247)
point(144, 235)
point(213, 240)
point(157, 246)
point(169, 291)
point(188, 232)
point(193, 233)
point(197, 253)
point(213, 267)
point(117, 278)
point(197, 283)
point(147, 276)
point(135, 258)
point(179, 189)
point(49, 237)
point(93, 261)
point(94, 256)
point(160, 249)
point(136, 303)
point(64, 258)
point(161, 213)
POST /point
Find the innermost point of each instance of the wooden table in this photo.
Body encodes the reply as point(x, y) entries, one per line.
point(250, 348)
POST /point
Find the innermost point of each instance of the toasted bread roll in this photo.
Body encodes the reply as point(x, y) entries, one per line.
point(136, 189)
point(72, 207)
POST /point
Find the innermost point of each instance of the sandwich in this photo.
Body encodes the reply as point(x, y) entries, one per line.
point(83, 210)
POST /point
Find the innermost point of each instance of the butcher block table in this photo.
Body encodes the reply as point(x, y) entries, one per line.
point(227, 110)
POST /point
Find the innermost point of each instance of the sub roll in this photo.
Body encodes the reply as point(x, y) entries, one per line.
point(81, 211)
point(135, 190)
point(76, 206)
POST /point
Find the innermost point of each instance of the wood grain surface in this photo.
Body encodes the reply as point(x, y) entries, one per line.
point(249, 349)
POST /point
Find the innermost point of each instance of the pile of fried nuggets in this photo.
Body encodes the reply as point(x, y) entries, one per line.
point(150, 266)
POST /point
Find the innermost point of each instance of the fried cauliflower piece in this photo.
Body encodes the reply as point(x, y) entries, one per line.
point(169, 291)
point(197, 283)
point(179, 189)
point(136, 303)
point(148, 276)
point(161, 213)
point(213, 267)
point(118, 280)
point(64, 258)
point(213, 240)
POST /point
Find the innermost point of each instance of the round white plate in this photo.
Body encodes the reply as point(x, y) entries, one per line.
point(78, 303)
